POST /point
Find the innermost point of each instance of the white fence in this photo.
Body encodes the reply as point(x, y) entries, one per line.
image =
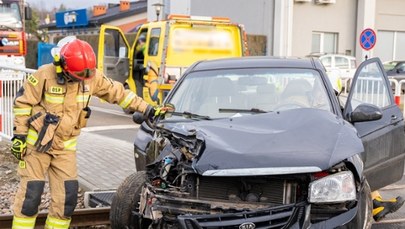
point(11, 79)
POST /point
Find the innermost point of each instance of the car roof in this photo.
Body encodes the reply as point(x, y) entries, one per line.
point(258, 62)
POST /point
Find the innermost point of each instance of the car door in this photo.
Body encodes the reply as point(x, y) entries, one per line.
point(383, 139)
point(113, 57)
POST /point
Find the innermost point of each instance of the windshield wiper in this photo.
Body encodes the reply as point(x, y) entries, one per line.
point(190, 115)
point(252, 110)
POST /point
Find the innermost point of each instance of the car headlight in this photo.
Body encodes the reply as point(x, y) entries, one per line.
point(338, 187)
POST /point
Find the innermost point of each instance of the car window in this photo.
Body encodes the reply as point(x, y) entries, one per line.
point(389, 65)
point(261, 89)
point(370, 87)
point(341, 62)
point(326, 61)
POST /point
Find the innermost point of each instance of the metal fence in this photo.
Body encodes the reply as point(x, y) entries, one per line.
point(11, 79)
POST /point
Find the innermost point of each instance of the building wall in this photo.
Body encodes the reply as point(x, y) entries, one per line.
point(390, 29)
point(309, 17)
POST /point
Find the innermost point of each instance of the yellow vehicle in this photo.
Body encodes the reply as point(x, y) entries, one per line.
point(170, 47)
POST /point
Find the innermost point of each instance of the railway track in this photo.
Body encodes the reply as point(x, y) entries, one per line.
point(80, 218)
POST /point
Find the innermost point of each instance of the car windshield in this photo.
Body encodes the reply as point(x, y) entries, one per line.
point(237, 92)
point(10, 16)
point(389, 65)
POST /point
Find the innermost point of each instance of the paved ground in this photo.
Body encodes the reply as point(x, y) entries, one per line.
point(103, 162)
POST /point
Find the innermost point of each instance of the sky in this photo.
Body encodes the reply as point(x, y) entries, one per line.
point(72, 4)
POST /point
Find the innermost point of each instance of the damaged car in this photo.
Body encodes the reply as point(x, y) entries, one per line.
point(263, 142)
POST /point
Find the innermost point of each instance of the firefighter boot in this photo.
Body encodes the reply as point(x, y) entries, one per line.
point(383, 207)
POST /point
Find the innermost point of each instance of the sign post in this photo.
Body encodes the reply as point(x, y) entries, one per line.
point(368, 38)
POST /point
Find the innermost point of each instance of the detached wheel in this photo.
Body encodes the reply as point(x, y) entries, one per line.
point(126, 200)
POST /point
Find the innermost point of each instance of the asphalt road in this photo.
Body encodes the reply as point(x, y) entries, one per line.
point(110, 121)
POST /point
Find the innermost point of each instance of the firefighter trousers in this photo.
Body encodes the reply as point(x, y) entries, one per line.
point(61, 169)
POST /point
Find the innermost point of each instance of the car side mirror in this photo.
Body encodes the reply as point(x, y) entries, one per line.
point(138, 118)
point(366, 112)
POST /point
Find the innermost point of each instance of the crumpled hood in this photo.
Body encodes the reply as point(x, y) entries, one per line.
point(286, 139)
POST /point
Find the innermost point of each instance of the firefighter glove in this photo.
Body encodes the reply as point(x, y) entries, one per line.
point(19, 146)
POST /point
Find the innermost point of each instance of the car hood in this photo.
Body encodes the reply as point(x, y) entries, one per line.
point(291, 141)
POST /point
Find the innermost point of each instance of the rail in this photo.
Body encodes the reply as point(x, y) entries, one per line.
point(81, 218)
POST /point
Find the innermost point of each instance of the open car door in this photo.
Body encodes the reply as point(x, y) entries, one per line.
point(113, 53)
point(384, 138)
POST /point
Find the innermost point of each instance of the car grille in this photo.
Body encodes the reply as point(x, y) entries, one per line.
point(270, 190)
point(275, 217)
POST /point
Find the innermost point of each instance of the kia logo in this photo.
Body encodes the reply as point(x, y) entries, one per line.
point(247, 225)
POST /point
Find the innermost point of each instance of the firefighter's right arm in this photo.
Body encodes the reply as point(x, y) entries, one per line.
point(30, 94)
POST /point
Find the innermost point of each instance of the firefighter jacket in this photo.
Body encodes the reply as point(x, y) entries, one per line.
point(41, 96)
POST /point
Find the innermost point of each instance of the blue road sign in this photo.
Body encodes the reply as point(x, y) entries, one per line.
point(368, 38)
point(71, 18)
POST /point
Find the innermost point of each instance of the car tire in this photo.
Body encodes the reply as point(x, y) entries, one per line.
point(126, 200)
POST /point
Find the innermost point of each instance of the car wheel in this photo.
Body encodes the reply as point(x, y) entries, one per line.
point(126, 200)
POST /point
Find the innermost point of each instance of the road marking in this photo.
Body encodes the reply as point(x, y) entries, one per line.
point(393, 187)
point(112, 127)
point(386, 221)
point(110, 111)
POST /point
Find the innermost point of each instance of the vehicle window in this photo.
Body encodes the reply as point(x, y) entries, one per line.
point(370, 87)
point(265, 89)
point(353, 64)
point(154, 42)
point(326, 61)
point(401, 67)
point(114, 44)
point(389, 65)
point(341, 62)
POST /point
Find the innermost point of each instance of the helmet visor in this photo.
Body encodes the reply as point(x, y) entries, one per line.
point(86, 74)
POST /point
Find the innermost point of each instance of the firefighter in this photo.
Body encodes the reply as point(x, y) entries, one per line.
point(50, 109)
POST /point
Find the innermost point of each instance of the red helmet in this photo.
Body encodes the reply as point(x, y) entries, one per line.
point(78, 60)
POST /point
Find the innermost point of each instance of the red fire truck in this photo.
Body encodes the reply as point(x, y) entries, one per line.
point(13, 44)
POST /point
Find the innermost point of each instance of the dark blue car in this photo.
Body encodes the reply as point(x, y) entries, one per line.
point(262, 142)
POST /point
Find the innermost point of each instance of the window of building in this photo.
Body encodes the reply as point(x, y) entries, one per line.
point(323, 42)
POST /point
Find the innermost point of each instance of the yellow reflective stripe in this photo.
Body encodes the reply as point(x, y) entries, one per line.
point(23, 223)
point(128, 99)
point(54, 99)
point(82, 98)
point(54, 223)
point(32, 137)
point(22, 111)
point(70, 144)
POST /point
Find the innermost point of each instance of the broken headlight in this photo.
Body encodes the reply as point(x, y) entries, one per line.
point(338, 187)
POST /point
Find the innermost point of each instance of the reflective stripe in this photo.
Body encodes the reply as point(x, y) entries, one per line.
point(54, 223)
point(32, 136)
point(23, 223)
point(82, 98)
point(70, 144)
point(54, 99)
point(22, 111)
point(128, 99)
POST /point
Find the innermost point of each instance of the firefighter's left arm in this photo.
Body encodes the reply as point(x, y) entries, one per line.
point(114, 92)
point(29, 94)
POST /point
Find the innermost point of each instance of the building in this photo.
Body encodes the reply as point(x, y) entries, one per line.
point(126, 15)
point(301, 27)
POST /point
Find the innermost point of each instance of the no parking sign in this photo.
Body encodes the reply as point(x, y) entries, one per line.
point(368, 38)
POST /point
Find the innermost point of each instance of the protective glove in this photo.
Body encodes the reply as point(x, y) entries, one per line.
point(19, 145)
